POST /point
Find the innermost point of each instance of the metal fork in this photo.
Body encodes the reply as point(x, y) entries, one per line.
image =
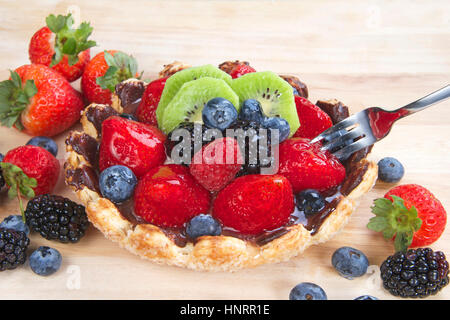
point(365, 128)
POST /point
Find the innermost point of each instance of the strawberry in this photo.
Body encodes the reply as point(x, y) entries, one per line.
point(37, 163)
point(241, 69)
point(252, 204)
point(146, 111)
point(313, 120)
point(133, 144)
point(39, 101)
point(308, 167)
point(217, 163)
point(411, 215)
point(168, 196)
point(62, 47)
point(104, 72)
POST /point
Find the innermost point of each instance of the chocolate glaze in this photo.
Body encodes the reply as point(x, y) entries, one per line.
point(88, 177)
point(335, 109)
point(84, 145)
point(130, 94)
point(97, 115)
point(295, 82)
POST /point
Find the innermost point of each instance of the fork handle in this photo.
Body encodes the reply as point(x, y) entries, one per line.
point(427, 101)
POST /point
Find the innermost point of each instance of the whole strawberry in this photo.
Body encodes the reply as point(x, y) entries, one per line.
point(411, 214)
point(168, 196)
point(36, 163)
point(39, 101)
point(217, 163)
point(135, 145)
point(146, 111)
point(61, 46)
point(253, 204)
point(313, 121)
point(241, 69)
point(104, 72)
point(308, 167)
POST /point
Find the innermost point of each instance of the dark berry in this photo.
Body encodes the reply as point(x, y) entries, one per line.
point(128, 116)
point(13, 247)
point(117, 183)
point(366, 297)
point(15, 222)
point(296, 93)
point(46, 143)
point(350, 262)
point(203, 225)
point(45, 261)
point(307, 291)
point(219, 113)
point(418, 273)
point(281, 127)
point(390, 170)
point(56, 218)
point(251, 111)
point(310, 202)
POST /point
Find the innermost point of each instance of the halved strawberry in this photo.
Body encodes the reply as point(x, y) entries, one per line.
point(168, 196)
point(313, 120)
point(253, 204)
point(136, 145)
point(240, 70)
point(217, 163)
point(146, 111)
point(308, 167)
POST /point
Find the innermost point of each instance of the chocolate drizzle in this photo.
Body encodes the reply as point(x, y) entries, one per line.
point(130, 94)
point(97, 115)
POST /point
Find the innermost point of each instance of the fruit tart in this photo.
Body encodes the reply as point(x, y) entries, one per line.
point(212, 168)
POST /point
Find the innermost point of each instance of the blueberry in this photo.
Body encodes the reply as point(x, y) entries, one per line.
point(219, 113)
point(203, 225)
point(310, 202)
point(296, 93)
point(1, 157)
point(366, 297)
point(278, 123)
point(46, 143)
point(307, 291)
point(45, 261)
point(350, 262)
point(251, 111)
point(390, 170)
point(117, 183)
point(128, 116)
point(16, 223)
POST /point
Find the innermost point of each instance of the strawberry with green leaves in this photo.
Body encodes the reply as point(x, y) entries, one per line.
point(39, 101)
point(104, 72)
point(61, 46)
point(409, 214)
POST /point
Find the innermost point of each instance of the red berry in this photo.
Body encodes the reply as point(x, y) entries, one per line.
point(168, 196)
point(133, 144)
point(254, 203)
point(240, 70)
point(217, 163)
point(38, 163)
point(146, 111)
point(307, 167)
point(313, 120)
point(429, 209)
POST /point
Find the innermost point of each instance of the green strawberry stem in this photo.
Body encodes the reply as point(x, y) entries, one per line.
point(121, 67)
point(69, 41)
point(19, 184)
point(393, 219)
point(14, 98)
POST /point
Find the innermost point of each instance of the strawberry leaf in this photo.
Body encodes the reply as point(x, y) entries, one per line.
point(394, 219)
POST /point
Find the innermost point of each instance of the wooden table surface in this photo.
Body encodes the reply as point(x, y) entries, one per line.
point(386, 53)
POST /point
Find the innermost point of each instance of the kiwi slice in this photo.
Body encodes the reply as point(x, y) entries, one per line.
point(176, 81)
point(273, 93)
point(188, 103)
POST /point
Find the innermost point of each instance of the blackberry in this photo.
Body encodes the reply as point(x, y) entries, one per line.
point(56, 218)
point(13, 246)
point(416, 273)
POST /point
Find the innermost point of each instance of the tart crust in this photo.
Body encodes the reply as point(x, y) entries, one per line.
point(211, 253)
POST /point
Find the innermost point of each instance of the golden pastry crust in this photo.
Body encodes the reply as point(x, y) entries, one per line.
point(171, 68)
point(212, 253)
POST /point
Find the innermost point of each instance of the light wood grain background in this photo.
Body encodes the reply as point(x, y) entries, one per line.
point(364, 53)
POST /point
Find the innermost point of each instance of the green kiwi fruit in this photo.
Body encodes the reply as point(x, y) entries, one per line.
point(273, 93)
point(188, 103)
point(176, 81)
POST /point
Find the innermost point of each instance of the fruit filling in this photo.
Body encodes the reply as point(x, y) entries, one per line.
point(216, 151)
